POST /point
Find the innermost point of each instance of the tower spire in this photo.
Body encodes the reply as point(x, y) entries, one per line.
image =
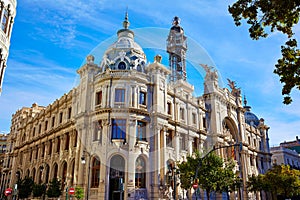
point(176, 48)
point(126, 22)
point(245, 100)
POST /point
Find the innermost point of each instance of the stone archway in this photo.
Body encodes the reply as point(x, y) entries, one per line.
point(231, 136)
point(116, 178)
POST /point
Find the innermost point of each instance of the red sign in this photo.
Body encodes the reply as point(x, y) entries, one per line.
point(71, 191)
point(8, 192)
point(195, 185)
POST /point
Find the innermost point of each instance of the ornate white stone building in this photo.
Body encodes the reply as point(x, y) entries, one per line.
point(130, 121)
point(7, 16)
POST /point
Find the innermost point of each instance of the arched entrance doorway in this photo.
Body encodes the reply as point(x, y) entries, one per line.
point(116, 178)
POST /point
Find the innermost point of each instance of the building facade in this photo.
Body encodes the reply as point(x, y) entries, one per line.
point(7, 16)
point(128, 122)
point(287, 153)
point(286, 156)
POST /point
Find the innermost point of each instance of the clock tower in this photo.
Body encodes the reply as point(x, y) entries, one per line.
point(176, 48)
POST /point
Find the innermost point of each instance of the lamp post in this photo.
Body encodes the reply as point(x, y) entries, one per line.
point(16, 185)
point(83, 161)
point(173, 172)
point(44, 185)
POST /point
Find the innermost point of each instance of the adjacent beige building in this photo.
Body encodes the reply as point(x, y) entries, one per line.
point(128, 122)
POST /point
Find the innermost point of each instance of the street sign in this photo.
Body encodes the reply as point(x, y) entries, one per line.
point(8, 192)
point(71, 191)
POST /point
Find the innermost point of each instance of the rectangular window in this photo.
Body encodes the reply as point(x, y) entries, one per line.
point(30, 157)
point(58, 145)
point(33, 133)
point(4, 22)
point(142, 99)
point(169, 138)
point(120, 95)
point(118, 129)
point(182, 113)
point(53, 121)
point(67, 141)
point(204, 122)
point(50, 148)
point(251, 160)
point(182, 140)
point(194, 118)
point(98, 130)
point(60, 117)
point(36, 152)
point(69, 112)
point(43, 150)
point(46, 125)
point(169, 108)
point(195, 144)
point(141, 131)
point(40, 128)
point(99, 98)
point(262, 163)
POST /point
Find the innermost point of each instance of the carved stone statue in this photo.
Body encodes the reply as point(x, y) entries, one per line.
point(211, 73)
point(234, 90)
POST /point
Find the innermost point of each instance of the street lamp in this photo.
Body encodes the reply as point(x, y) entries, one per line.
point(173, 172)
point(83, 161)
point(41, 181)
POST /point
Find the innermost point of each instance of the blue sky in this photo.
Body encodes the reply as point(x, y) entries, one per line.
point(51, 39)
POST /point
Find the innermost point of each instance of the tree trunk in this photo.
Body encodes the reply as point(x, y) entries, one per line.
point(274, 195)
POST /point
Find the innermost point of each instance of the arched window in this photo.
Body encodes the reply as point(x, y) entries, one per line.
point(140, 173)
point(55, 170)
point(47, 174)
point(64, 175)
point(33, 174)
point(73, 172)
point(122, 65)
point(95, 173)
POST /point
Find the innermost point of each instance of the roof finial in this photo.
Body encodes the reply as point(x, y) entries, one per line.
point(176, 21)
point(126, 22)
point(245, 100)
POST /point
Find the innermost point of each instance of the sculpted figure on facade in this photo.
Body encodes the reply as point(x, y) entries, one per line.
point(211, 73)
point(234, 90)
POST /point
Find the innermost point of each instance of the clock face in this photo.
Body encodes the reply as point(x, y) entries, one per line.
point(122, 65)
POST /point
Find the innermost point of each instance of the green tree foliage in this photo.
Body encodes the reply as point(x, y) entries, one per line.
point(38, 190)
point(274, 15)
point(25, 187)
point(54, 189)
point(79, 194)
point(280, 180)
point(213, 173)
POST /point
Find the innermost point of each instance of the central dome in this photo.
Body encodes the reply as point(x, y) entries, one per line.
point(125, 53)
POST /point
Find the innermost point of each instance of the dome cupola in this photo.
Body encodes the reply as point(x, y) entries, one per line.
point(250, 118)
point(125, 53)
